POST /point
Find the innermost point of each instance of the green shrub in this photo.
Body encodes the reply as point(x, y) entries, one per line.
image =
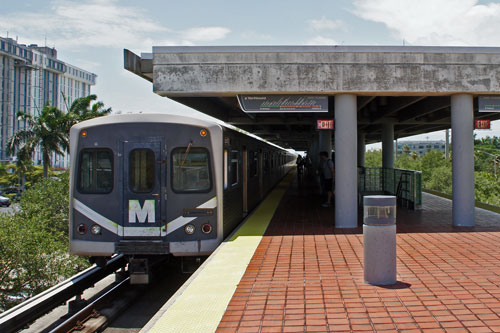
point(34, 243)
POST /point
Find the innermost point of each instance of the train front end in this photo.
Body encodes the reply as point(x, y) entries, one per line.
point(145, 185)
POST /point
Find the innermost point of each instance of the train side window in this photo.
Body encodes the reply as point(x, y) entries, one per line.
point(226, 167)
point(266, 163)
point(254, 161)
point(234, 170)
point(141, 170)
point(191, 170)
point(95, 171)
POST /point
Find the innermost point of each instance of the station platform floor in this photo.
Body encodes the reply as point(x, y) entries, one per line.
point(288, 269)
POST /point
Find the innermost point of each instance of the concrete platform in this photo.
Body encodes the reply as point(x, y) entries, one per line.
point(307, 276)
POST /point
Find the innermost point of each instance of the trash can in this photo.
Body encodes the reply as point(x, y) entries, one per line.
point(379, 239)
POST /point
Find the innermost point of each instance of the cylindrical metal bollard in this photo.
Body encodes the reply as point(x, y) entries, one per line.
point(379, 239)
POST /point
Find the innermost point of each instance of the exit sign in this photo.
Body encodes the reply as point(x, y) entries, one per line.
point(324, 124)
point(481, 124)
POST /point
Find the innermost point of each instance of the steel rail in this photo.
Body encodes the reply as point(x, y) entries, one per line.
point(35, 307)
point(77, 321)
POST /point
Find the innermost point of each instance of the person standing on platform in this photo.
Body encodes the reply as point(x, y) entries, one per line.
point(300, 164)
point(327, 173)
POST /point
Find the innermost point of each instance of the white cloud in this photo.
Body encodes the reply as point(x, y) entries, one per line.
point(320, 40)
point(431, 22)
point(325, 24)
point(205, 34)
point(82, 24)
point(99, 23)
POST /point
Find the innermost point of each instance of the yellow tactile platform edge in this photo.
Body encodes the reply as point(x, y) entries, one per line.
point(204, 301)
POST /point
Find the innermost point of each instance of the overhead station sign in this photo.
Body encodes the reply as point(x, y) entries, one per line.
point(489, 103)
point(283, 103)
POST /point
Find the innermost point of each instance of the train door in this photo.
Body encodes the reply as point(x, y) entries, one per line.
point(144, 190)
point(245, 180)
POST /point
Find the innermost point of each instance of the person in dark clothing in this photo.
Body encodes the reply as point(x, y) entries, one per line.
point(327, 173)
point(300, 164)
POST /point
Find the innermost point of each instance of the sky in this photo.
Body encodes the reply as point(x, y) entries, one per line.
point(92, 34)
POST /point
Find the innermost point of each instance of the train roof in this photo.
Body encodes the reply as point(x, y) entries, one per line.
point(144, 118)
point(160, 118)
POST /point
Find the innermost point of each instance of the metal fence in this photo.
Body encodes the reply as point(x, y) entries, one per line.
point(406, 185)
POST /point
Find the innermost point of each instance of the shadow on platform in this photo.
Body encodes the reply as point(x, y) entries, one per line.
point(300, 213)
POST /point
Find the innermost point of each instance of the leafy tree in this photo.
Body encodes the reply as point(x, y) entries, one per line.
point(4, 175)
point(440, 179)
point(34, 243)
point(373, 158)
point(430, 161)
point(437, 170)
point(405, 161)
point(23, 163)
point(47, 130)
point(12, 179)
point(487, 188)
point(81, 110)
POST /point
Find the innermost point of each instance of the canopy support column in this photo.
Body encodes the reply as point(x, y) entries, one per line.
point(462, 126)
point(346, 189)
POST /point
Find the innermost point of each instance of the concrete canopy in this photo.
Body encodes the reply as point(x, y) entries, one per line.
point(408, 86)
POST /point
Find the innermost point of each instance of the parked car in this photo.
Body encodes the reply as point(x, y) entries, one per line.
point(4, 201)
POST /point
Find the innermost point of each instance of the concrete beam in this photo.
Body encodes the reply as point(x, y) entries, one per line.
point(203, 71)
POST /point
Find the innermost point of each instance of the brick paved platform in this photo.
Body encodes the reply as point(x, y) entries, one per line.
point(307, 276)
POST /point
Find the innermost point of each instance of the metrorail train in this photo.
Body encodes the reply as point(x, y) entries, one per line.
point(149, 185)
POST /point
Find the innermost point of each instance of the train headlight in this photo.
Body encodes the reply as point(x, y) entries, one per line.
point(96, 229)
point(206, 228)
point(82, 229)
point(203, 132)
point(189, 229)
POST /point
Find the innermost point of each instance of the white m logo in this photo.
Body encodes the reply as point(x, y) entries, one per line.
point(135, 209)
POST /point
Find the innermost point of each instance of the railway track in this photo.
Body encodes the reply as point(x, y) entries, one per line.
point(101, 311)
point(25, 313)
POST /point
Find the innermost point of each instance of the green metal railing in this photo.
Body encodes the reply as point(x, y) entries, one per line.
point(406, 185)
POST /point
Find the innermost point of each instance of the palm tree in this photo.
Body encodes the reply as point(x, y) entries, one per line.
point(23, 162)
point(81, 110)
point(47, 130)
point(414, 155)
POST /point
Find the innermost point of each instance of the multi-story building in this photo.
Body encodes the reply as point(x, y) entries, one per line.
point(30, 77)
point(421, 147)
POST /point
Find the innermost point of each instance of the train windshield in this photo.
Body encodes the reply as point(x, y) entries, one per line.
point(190, 170)
point(95, 171)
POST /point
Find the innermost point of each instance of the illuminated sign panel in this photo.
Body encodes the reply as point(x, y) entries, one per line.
point(489, 103)
point(283, 103)
point(324, 124)
point(482, 124)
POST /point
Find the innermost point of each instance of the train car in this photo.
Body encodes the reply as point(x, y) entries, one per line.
point(150, 185)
